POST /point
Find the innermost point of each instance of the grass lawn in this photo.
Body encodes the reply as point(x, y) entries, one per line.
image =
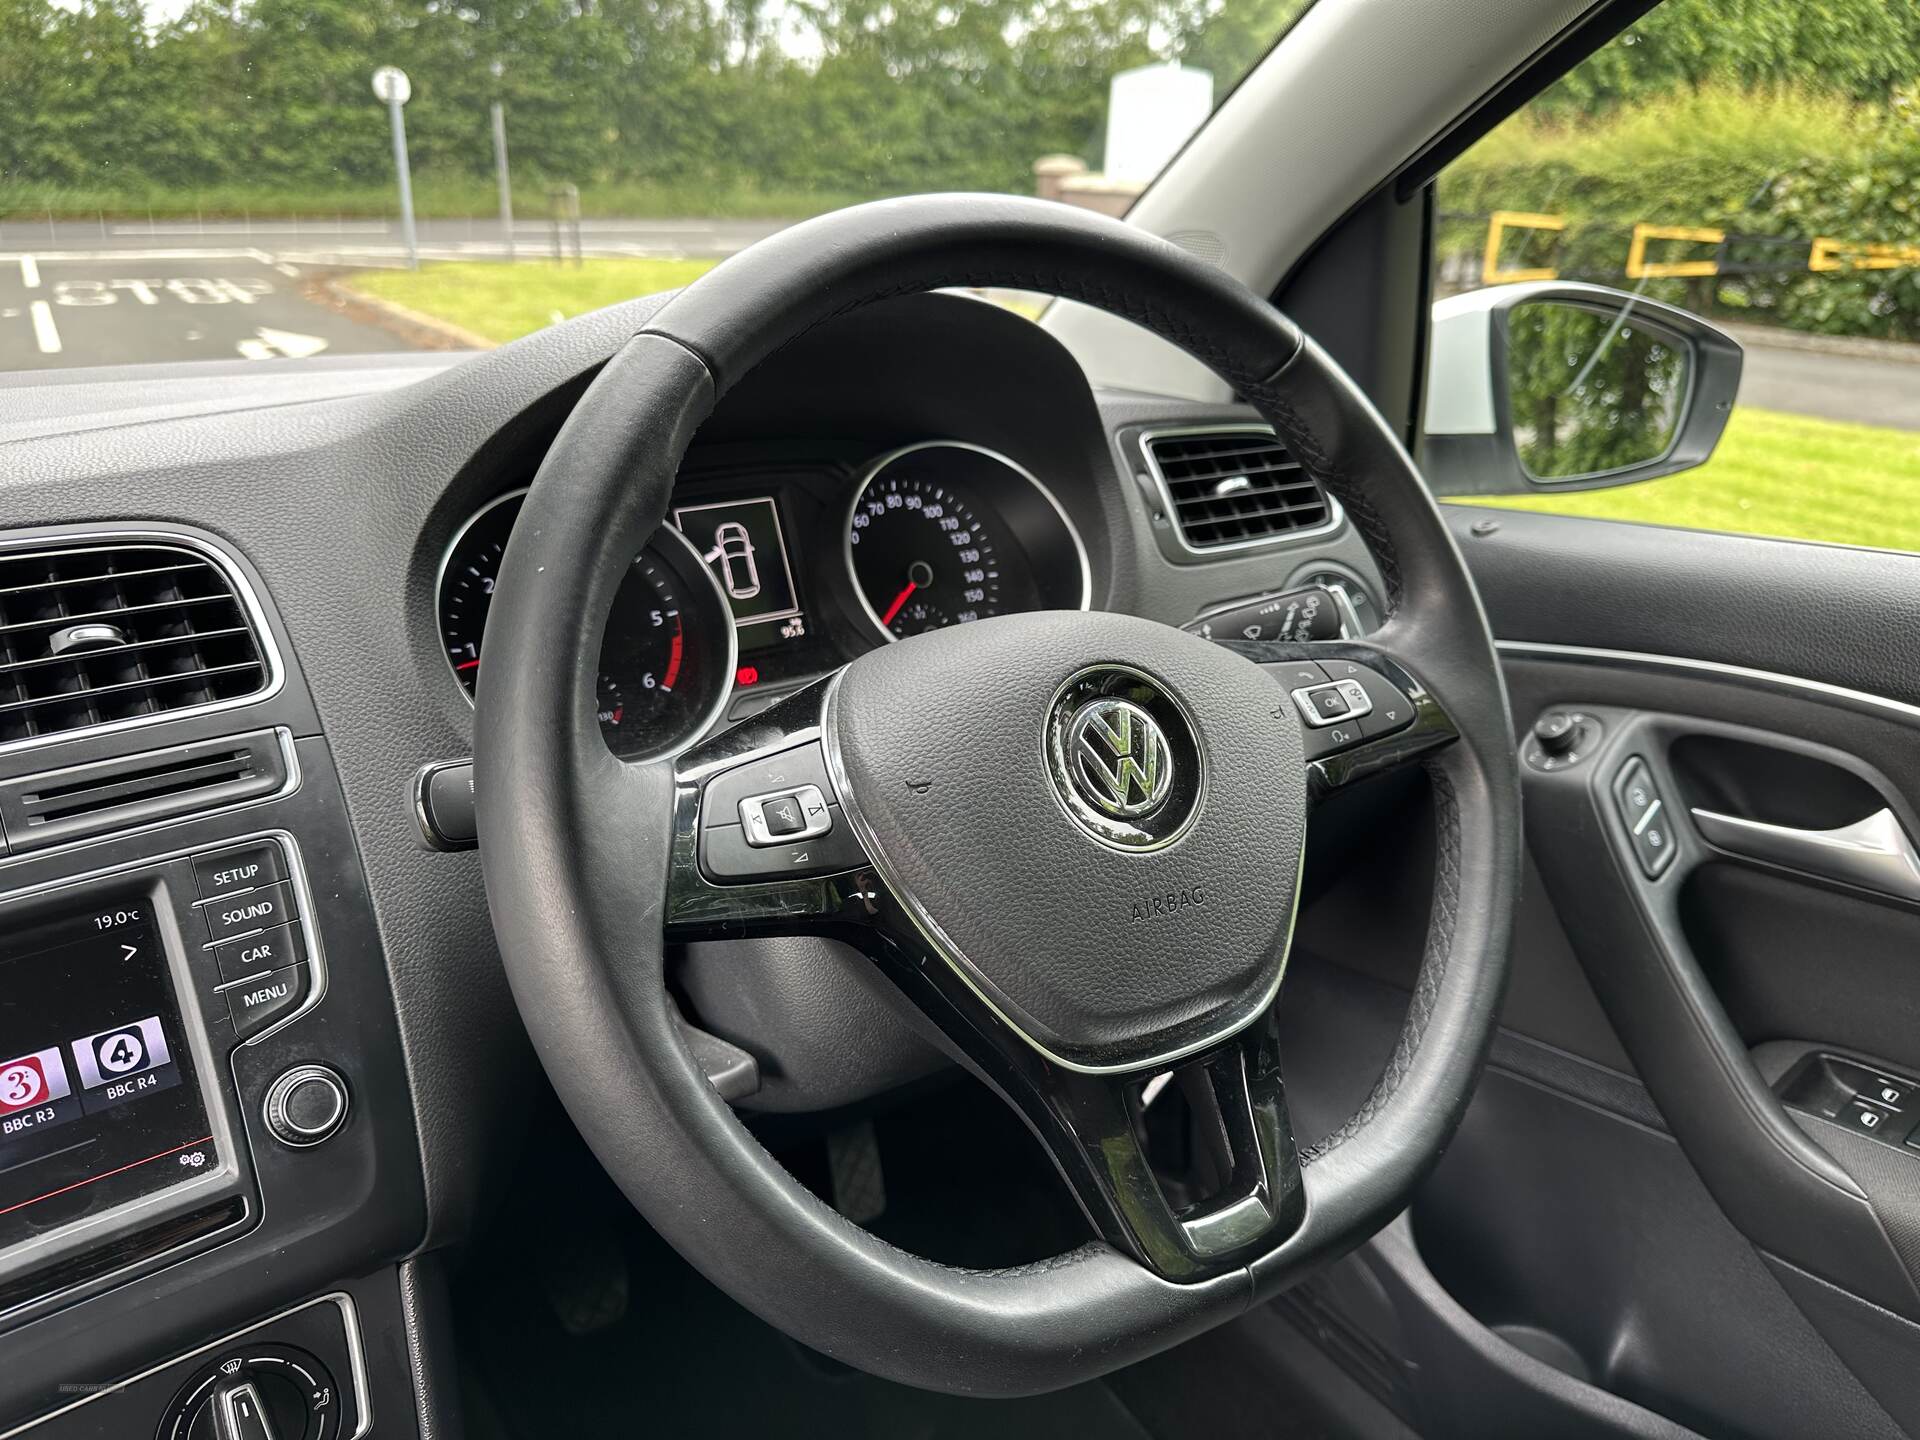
point(503, 301)
point(1776, 474)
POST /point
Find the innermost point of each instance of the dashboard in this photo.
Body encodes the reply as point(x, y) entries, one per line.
point(258, 1056)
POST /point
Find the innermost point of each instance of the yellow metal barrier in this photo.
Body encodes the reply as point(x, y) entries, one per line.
point(1498, 224)
point(1829, 255)
point(1825, 255)
point(1640, 268)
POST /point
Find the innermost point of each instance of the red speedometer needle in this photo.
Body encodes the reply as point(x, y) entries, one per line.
point(898, 601)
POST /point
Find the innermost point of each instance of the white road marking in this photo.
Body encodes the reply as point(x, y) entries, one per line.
point(287, 270)
point(267, 342)
point(29, 272)
point(45, 332)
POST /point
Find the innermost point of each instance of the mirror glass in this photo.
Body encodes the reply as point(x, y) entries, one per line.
point(1591, 390)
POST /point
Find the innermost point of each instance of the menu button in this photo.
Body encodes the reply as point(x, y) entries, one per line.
point(258, 1003)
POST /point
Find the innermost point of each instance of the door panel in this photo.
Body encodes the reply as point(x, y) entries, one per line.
point(1758, 1277)
point(1766, 931)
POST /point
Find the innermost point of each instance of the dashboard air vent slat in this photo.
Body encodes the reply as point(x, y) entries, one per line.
point(1234, 487)
point(96, 633)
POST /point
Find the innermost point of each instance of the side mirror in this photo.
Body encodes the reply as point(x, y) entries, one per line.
point(1562, 386)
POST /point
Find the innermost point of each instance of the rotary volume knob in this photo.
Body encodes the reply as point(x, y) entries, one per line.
point(306, 1106)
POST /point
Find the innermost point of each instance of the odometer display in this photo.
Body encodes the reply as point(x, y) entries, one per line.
point(943, 533)
point(666, 659)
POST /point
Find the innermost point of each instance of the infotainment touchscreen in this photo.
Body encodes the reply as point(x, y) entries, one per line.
point(99, 1104)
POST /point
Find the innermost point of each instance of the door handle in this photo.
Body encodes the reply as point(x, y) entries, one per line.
point(1873, 853)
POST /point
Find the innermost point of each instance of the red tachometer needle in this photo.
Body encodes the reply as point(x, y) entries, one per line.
point(898, 601)
point(468, 665)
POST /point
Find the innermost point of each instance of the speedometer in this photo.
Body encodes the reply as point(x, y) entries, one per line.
point(666, 660)
point(945, 532)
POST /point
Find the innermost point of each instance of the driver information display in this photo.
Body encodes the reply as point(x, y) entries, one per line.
point(98, 1103)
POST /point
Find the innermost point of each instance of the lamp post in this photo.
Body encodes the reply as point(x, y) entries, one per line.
point(390, 84)
point(500, 160)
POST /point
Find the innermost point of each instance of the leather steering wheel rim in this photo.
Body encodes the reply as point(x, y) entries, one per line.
point(575, 843)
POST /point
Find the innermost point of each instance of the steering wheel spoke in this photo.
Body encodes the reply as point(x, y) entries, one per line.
point(1362, 707)
point(1190, 1168)
point(760, 841)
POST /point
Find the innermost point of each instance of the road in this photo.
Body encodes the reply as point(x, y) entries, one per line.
point(61, 309)
point(1874, 386)
point(111, 293)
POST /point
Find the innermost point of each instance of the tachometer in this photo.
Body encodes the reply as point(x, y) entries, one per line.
point(666, 661)
point(945, 532)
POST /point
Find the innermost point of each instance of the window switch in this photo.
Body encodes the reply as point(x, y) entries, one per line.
point(1868, 1118)
point(1884, 1090)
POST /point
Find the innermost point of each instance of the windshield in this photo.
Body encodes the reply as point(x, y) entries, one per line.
point(262, 179)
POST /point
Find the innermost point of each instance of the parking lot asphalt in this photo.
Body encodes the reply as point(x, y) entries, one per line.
point(62, 309)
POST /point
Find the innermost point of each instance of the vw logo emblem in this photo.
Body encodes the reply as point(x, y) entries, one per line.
point(1121, 762)
point(1124, 756)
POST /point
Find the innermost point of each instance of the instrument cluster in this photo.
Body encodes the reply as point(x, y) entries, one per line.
point(770, 575)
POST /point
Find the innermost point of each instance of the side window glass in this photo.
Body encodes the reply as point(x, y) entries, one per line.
point(1682, 286)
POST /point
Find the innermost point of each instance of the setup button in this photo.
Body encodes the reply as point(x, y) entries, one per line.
point(259, 1002)
point(231, 871)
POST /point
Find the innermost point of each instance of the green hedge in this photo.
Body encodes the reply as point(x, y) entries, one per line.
point(1779, 162)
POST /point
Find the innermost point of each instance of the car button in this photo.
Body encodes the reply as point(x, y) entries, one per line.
point(274, 949)
point(230, 871)
point(257, 1003)
point(255, 910)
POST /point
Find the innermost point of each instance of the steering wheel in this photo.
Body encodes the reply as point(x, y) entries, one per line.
point(1072, 841)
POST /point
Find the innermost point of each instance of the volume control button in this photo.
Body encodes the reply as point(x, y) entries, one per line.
point(306, 1106)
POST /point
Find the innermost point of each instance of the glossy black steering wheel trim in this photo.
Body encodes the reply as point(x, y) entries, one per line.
point(578, 847)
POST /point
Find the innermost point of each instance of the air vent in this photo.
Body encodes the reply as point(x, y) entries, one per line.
point(104, 633)
point(105, 795)
point(1226, 488)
